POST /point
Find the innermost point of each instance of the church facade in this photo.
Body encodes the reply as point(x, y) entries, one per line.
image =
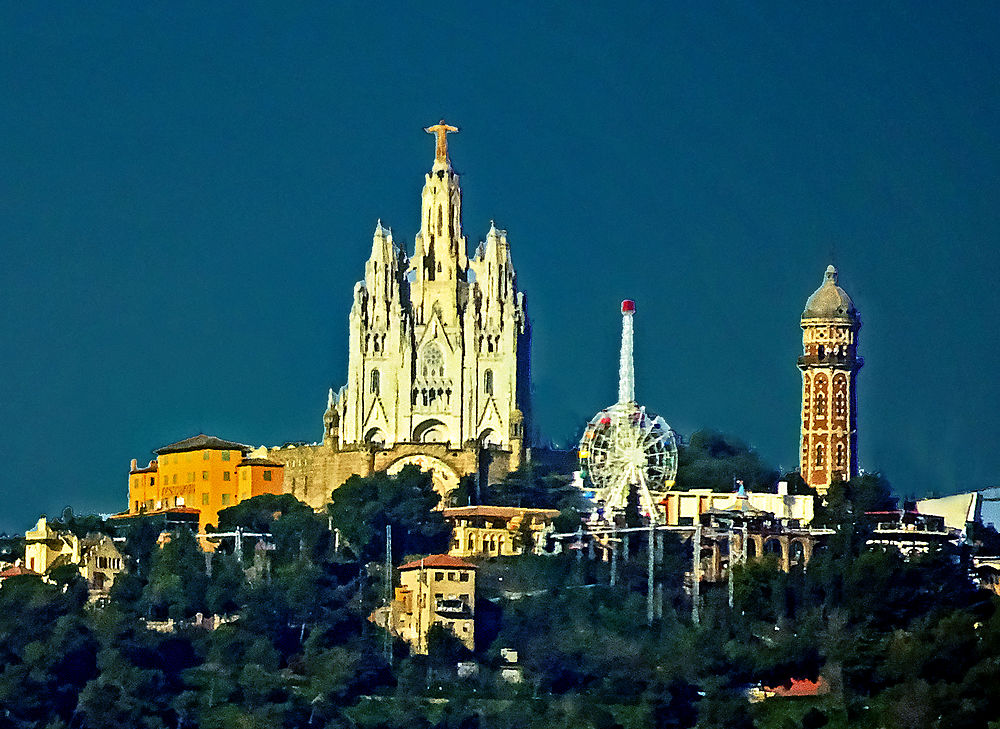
point(438, 347)
point(829, 363)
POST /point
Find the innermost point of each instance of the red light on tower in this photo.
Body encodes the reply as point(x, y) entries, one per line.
point(628, 306)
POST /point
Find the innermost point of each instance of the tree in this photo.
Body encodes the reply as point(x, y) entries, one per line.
point(364, 506)
point(715, 460)
point(177, 579)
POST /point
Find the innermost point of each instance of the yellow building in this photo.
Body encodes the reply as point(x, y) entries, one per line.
point(496, 531)
point(96, 555)
point(435, 590)
point(205, 473)
point(684, 508)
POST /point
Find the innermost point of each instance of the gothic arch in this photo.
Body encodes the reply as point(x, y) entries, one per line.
point(431, 431)
point(375, 436)
point(489, 438)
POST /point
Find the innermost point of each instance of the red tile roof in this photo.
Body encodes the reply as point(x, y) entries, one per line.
point(16, 571)
point(499, 512)
point(438, 560)
point(801, 687)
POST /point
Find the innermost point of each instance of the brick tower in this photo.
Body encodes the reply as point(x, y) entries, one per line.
point(828, 448)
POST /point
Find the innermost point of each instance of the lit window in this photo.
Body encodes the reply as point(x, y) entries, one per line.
point(267, 475)
point(225, 475)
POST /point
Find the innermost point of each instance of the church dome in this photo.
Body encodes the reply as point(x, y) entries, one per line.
point(830, 301)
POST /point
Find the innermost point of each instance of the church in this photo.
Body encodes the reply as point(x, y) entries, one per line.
point(438, 348)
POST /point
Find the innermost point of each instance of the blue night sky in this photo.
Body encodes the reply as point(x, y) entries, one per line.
point(188, 193)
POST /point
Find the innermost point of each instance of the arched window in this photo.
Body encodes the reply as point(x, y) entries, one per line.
point(376, 377)
point(488, 382)
point(820, 456)
point(840, 404)
point(440, 220)
point(431, 361)
point(820, 404)
point(840, 455)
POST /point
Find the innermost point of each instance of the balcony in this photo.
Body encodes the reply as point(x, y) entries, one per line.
point(452, 608)
point(837, 361)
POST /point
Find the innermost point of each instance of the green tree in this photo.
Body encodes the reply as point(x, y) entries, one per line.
point(364, 506)
point(714, 460)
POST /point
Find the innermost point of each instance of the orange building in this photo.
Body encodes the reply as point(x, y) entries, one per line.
point(205, 473)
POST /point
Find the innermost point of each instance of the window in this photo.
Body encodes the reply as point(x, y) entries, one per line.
point(820, 404)
point(204, 499)
point(488, 382)
point(163, 460)
point(178, 501)
point(840, 455)
point(225, 475)
point(451, 577)
point(375, 382)
point(225, 455)
point(207, 455)
point(432, 361)
point(820, 456)
point(244, 474)
point(204, 475)
point(463, 577)
point(190, 477)
point(152, 481)
point(267, 475)
point(439, 576)
point(175, 478)
point(225, 499)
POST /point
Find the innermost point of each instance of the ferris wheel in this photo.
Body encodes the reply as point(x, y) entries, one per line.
point(625, 446)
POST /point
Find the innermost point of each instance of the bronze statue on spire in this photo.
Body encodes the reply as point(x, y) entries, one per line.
point(441, 130)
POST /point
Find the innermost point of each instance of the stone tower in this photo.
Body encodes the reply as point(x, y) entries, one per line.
point(438, 344)
point(829, 439)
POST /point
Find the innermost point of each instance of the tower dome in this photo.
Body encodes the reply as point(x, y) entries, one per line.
point(830, 301)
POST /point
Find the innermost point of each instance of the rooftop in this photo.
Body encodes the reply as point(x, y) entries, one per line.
point(499, 512)
point(202, 442)
point(830, 301)
point(438, 560)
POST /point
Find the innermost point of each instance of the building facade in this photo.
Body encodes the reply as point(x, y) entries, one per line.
point(828, 448)
point(204, 473)
point(497, 531)
point(438, 347)
point(435, 590)
point(95, 555)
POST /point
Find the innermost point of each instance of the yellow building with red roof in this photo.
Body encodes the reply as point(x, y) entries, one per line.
point(435, 590)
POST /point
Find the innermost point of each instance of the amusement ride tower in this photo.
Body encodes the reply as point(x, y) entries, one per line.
point(625, 447)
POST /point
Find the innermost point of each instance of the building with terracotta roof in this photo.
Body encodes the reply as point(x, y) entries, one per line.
point(95, 555)
point(497, 531)
point(204, 473)
point(436, 590)
point(16, 570)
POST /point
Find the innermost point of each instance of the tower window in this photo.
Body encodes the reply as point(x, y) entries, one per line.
point(840, 404)
point(488, 382)
point(375, 382)
point(820, 456)
point(840, 455)
point(440, 220)
point(820, 404)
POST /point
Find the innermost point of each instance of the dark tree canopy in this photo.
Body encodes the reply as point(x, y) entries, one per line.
point(715, 460)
